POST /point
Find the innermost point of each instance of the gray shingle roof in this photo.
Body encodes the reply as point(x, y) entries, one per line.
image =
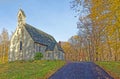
point(41, 37)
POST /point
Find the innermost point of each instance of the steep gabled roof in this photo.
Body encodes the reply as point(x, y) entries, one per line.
point(41, 37)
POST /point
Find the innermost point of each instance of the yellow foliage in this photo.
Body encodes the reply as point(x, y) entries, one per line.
point(106, 14)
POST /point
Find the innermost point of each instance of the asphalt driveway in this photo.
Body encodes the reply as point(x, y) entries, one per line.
point(81, 70)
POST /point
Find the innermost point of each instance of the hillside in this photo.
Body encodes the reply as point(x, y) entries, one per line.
point(29, 70)
point(113, 68)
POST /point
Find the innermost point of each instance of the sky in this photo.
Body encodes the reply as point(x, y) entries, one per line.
point(54, 17)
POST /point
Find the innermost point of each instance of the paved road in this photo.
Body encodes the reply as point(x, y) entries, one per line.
point(82, 70)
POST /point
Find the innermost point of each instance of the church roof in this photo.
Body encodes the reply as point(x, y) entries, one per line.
point(42, 37)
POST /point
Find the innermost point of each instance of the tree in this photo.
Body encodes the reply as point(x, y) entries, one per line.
point(66, 46)
point(99, 23)
point(78, 46)
point(74, 49)
point(4, 45)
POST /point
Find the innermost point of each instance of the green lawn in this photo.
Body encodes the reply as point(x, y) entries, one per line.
point(113, 68)
point(40, 69)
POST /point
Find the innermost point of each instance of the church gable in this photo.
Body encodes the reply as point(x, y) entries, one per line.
point(21, 43)
point(21, 17)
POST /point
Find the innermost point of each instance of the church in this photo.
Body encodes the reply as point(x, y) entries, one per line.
point(27, 40)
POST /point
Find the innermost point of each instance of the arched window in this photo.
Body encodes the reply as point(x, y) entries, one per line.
point(20, 45)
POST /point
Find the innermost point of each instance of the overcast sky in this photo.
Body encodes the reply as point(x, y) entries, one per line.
point(51, 16)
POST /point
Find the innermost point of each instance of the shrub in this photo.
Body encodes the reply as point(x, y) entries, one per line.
point(38, 56)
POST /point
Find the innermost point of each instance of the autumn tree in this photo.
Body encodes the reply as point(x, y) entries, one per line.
point(74, 49)
point(78, 46)
point(4, 45)
point(66, 46)
point(100, 24)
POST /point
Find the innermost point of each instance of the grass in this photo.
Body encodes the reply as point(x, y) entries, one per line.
point(39, 69)
point(113, 68)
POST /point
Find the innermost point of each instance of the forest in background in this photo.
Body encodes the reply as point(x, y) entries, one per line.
point(4, 45)
point(99, 31)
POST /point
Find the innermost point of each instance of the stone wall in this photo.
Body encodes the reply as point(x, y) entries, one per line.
point(29, 47)
point(54, 55)
point(40, 48)
point(27, 52)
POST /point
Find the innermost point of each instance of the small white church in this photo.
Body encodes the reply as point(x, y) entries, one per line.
point(27, 40)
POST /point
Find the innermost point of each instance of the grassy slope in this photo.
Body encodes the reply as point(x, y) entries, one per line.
point(113, 68)
point(29, 70)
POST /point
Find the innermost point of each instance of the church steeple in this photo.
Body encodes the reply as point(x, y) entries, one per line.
point(21, 17)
